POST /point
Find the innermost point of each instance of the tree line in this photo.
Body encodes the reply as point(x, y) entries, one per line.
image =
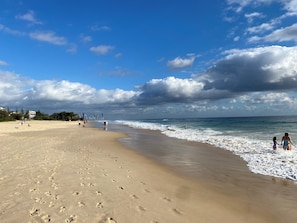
point(7, 115)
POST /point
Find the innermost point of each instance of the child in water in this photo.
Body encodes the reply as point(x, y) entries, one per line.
point(274, 143)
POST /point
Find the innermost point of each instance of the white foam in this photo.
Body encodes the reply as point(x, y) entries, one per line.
point(258, 154)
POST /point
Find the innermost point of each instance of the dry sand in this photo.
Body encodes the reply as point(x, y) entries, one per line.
point(61, 172)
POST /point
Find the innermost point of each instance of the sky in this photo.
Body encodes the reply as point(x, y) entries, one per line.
point(130, 59)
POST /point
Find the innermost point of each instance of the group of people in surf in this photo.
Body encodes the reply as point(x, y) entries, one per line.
point(286, 142)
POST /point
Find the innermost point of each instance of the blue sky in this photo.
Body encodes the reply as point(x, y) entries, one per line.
point(147, 59)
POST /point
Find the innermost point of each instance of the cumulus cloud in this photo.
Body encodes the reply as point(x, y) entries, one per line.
point(179, 63)
point(16, 90)
point(251, 77)
point(239, 72)
point(170, 89)
point(256, 69)
point(48, 36)
point(101, 49)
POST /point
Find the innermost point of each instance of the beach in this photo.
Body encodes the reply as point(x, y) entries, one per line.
point(54, 171)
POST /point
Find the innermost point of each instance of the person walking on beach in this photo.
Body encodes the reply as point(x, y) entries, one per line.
point(274, 143)
point(287, 142)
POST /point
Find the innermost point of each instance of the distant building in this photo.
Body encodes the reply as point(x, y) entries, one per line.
point(32, 114)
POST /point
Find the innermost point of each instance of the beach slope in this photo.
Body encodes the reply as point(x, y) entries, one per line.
point(62, 172)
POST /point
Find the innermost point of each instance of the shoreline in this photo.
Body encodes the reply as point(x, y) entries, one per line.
point(225, 173)
point(60, 172)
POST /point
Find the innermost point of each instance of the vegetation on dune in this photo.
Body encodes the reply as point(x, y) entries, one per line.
point(7, 115)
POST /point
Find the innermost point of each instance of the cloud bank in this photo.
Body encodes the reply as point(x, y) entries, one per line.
point(250, 76)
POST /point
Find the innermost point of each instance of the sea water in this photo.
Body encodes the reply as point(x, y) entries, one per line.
point(247, 137)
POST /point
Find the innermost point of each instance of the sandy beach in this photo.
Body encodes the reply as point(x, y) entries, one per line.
point(62, 172)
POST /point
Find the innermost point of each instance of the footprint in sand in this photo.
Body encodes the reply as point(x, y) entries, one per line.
point(39, 200)
point(31, 190)
point(34, 212)
point(51, 204)
point(142, 183)
point(72, 218)
point(81, 204)
point(48, 193)
point(21, 185)
point(140, 208)
point(111, 220)
point(62, 209)
point(55, 197)
point(46, 218)
point(176, 211)
point(99, 205)
point(76, 193)
point(98, 193)
point(103, 219)
point(55, 186)
point(134, 196)
point(167, 199)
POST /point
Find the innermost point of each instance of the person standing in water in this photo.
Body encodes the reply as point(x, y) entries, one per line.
point(287, 142)
point(274, 143)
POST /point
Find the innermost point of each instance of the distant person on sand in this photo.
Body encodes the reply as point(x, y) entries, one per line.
point(287, 142)
point(274, 143)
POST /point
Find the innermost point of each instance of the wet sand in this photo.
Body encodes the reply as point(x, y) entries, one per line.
point(63, 172)
point(219, 170)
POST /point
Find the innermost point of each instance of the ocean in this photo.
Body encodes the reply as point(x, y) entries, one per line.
point(247, 137)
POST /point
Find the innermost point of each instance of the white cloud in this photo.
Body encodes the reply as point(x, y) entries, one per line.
point(283, 34)
point(236, 38)
point(30, 17)
point(290, 5)
point(52, 94)
point(261, 28)
point(48, 36)
point(180, 63)
point(239, 5)
point(251, 16)
point(3, 63)
point(11, 31)
point(252, 77)
point(102, 49)
point(96, 28)
point(85, 39)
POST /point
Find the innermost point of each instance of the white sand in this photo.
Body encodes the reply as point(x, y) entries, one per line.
point(61, 172)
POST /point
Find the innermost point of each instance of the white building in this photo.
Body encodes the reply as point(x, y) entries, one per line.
point(32, 114)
